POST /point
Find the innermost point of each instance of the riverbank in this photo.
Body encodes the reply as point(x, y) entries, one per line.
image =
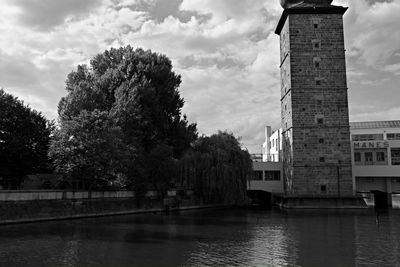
point(29, 207)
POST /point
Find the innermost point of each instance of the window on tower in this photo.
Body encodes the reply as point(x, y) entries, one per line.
point(316, 44)
point(323, 188)
point(317, 62)
point(319, 119)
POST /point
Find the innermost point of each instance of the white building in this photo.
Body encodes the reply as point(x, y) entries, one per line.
point(375, 162)
point(376, 158)
point(272, 147)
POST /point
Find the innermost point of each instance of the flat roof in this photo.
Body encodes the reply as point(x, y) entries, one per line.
point(374, 124)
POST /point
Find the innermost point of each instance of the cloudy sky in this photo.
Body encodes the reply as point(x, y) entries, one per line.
point(225, 50)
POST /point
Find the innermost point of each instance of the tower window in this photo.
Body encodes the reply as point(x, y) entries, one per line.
point(323, 188)
point(322, 159)
point(319, 119)
point(321, 140)
point(316, 44)
point(317, 82)
point(316, 26)
point(316, 61)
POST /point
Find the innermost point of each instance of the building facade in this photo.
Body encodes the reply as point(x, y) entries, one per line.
point(375, 161)
point(314, 104)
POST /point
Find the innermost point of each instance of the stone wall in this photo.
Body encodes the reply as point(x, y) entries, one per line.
point(30, 206)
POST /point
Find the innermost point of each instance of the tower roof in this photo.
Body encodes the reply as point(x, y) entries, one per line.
point(291, 3)
point(308, 7)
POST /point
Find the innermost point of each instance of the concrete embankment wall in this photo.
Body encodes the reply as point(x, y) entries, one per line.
point(33, 206)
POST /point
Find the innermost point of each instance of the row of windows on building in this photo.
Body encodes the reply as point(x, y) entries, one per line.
point(376, 157)
point(266, 176)
point(372, 137)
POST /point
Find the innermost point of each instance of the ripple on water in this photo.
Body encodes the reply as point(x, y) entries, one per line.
point(207, 238)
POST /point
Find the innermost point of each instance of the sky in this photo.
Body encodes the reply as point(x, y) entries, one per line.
point(225, 50)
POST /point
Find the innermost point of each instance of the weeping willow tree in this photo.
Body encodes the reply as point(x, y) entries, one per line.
point(216, 168)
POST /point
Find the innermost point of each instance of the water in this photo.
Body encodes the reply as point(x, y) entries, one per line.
point(207, 238)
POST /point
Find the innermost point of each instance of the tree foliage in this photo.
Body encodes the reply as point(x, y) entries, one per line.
point(138, 91)
point(121, 118)
point(90, 151)
point(24, 140)
point(217, 168)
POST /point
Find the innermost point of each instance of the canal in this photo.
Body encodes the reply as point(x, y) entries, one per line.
point(207, 238)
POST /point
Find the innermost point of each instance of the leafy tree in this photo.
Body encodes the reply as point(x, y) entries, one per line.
point(90, 151)
point(24, 140)
point(139, 92)
point(217, 168)
point(140, 89)
point(161, 166)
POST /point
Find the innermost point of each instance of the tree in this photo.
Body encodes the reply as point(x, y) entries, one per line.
point(90, 151)
point(24, 140)
point(217, 168)
point(139, 92)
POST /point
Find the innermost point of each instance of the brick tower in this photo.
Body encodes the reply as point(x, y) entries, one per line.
point(314, 104)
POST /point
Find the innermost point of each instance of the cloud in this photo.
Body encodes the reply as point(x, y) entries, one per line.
point(46, 14)
point(395, 68)
point(377, 114)
point(373, 34)
point(225, 50)
point(34, 63)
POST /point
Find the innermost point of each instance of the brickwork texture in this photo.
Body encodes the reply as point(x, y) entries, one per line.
point(314, 105)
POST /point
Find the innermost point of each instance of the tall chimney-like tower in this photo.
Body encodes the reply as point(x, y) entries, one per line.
point(314, 103)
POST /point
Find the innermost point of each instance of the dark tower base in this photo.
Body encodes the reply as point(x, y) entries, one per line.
point(334, 203)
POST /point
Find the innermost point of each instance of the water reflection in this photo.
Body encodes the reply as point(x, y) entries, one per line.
point(380, 244)
point(207, 238)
